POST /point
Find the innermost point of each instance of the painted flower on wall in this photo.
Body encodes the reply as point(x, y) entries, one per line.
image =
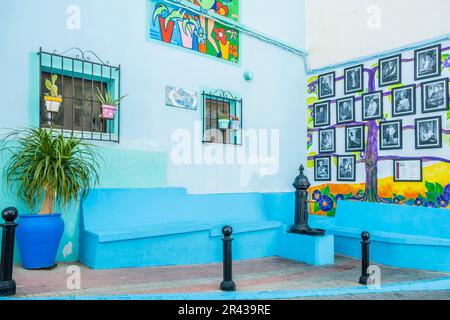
point(233, 34)
point(447, 192)
point(326, 204)
point(221, 35)
point(309, 140)
point(234, 51)
point(201, 35)
point(442, 202)
point(418, 202)
point(339, 197)
point(317, 195)
point(430, 205)
point(222, 9)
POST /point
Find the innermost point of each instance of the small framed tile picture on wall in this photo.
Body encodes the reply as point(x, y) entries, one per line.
point(354, 79)
point(327, 85)
point(345, 110)
point(372, 105)
point(427, 62)
point(322, 168)
point(346, 168)
point(390, 71)
point(429, 133)
point(435, 96)
point(404, 101)
point(391, 137)
point(355, 138)
point(327, 140)
point(408, 170)
point(322, 114)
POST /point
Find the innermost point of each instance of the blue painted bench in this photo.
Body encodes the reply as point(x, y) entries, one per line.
point(149, 227)
point(401, 236)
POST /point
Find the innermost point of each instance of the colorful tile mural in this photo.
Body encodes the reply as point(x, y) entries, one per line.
point(374, 166)
point(183, 28)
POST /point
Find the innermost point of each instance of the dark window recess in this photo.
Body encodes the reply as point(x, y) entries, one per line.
point(222, 105)
point(79, 77)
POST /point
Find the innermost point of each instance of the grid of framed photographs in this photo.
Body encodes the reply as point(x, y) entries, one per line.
point(428, 130)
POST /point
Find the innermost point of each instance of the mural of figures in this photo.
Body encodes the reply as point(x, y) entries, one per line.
point(183, 28)
point(394, 128)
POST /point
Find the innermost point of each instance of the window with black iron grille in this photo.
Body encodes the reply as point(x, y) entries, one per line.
point(76, 110)
point(222, 118)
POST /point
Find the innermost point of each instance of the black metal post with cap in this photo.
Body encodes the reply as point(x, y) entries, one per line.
point(365, 243)
point(301, 185)
point(7, 284)
point(227, 283)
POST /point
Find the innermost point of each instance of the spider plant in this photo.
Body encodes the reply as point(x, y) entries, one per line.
point(107, 98)
point(47, 169)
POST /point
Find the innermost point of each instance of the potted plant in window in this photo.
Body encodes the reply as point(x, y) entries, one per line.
point(235, 123)
point(109, 104)
point(224, 121)
point(52, 98)
point(46, 170)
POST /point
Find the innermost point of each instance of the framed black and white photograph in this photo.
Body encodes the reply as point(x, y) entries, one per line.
point(322, 114)
point(354, 138)
point(346, 168)
point(327, 140)
point(427, 63)
point(372, 105)
point(354, 79)
point(345, 110)
point(327, 85)
point(428, 133)
point(322, 168)
point(390, 71)
point(435, 96)
point(404, 101)
point(408, 170)
point(391, 135)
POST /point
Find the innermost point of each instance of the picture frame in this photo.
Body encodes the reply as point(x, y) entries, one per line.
point(408, 170)
point(390, 71)
point(322, 114)
point(354, 79)
point(428, 133)
point(327, 85)
point(427, 62)
point(322, 168)
point(327, 140)
point(346, 168)
point(435, 96)
point(372, 105)
point(404, 101)
point(345, 110)
point(355, 138)
point(391, 135)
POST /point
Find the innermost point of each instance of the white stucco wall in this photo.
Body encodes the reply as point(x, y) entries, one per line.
point(346, 29)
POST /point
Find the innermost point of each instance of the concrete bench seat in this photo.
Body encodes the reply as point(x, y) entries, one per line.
point(122, 228)
point(401, 236)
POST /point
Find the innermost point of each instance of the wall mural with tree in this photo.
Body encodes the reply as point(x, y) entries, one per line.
point(401, 102)
point(183, 28)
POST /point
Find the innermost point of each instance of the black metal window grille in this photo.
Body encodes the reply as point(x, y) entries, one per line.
point(217, 105)
point(79, 77)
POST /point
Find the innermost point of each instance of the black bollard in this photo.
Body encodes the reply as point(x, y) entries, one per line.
point(301, 215)
point(7, 284)
point(227, 283)
point(365, 236)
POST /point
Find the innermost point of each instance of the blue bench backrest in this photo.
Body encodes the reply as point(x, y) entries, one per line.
point(117, 207)
point(394, 218)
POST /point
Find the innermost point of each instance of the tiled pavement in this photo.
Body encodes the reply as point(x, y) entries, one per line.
point(270, 274)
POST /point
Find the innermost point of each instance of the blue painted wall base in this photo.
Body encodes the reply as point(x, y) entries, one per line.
point(317, 251)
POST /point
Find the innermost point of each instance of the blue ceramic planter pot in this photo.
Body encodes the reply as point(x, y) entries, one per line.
point(38, 238)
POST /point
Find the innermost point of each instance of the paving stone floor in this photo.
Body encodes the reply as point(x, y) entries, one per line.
point(269, 274)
